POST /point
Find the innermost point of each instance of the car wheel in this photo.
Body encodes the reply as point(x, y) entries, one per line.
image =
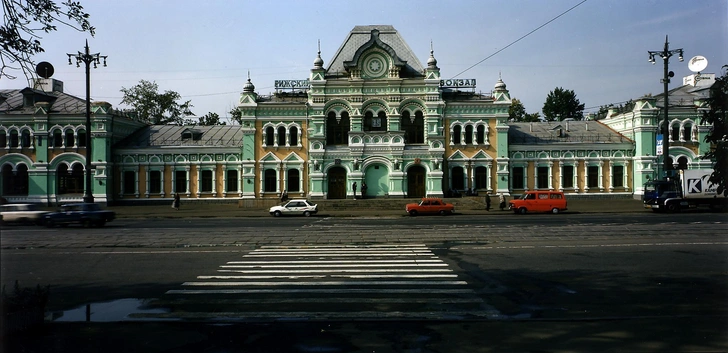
point(522, 210)
point(49, 223)
point(413, 213)
point(673, 207)
point(86, 223)
point(306, 214)
point(555, 210)
point(443, 213)
point(100, 223)
point(277, 214)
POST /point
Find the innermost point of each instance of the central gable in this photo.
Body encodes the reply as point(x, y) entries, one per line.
point(372, 51)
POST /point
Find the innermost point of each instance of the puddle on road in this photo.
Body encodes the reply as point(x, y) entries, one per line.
point(111, 311)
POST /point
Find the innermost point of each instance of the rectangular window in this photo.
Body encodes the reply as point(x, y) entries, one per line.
point(129, 182)
point(517, 178)
point(618, 176)
point(155, 182)
point(292, 180)
point(567, 177)
point(180, 181)
point(231, 180)
point(543, 177)
point(82, 138)
point(592, 176)
point(270, 180)
point(206, 181)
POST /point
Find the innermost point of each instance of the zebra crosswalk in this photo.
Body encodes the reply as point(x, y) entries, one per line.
point(353, 282)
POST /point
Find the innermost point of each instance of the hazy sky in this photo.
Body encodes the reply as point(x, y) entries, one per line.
point(204, 49)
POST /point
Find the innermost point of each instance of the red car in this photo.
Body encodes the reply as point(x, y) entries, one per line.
point(430, 205)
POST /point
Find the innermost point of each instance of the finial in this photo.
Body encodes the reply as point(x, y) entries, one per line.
point(319, 46)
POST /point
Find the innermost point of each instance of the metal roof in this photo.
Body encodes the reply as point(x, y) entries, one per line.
point(360, 35)
point(61, 103)
point(555, 132)
point(172, 135)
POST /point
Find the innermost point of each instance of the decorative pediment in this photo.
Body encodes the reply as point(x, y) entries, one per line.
point(270, 157)
point(457, 156)
point(375, 58)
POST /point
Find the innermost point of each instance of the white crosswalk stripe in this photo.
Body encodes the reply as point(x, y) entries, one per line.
point(320, 282)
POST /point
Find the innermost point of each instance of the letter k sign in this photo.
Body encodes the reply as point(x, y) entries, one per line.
point(694, 186)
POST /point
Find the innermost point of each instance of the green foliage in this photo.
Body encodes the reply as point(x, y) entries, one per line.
point(516, 112)
point(562, 104)
point(24, 298)
point(154, 107)
point(532, 117)
point(236, 115)
point(717, 117)
point(211, 119)
point(23, 21)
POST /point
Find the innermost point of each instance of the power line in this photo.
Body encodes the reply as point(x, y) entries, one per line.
point(519, 39)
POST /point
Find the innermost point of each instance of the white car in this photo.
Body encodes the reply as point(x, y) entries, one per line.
point(294, 207)
point(21, 213)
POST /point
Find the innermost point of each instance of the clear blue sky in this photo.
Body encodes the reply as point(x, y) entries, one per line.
point(204, 49)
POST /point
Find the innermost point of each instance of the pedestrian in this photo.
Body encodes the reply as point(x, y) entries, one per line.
point(364, 188)
point(487, 202)
point(353, 187)
point(502, 201)
point(175, 202)
point(284, 196)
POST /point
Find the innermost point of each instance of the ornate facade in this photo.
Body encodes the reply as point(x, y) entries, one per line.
point(373, 115)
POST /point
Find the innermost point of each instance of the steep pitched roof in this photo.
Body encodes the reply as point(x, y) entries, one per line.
point(360, 36)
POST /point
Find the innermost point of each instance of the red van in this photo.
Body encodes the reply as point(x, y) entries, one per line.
point(539, 201)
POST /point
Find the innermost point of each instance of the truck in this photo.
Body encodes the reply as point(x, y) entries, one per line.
point(688, 189)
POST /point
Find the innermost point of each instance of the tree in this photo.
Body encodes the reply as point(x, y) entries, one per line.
point(516, 112)
point(156, 108)
point(23, 20)
point(211, 119)
point(603, 110)
point(236, 115)
point(717, 117)
point(532, 117)
point(562, 104)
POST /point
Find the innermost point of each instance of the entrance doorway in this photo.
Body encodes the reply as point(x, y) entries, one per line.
point(416, 182)
point(336, 183)
point(457, 179)
point(377, 178)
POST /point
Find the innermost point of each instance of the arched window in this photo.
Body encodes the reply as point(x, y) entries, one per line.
point(3, 139)
point(281, 136)
point(81, 138)
point(337, 130)
point(481, 135)
point(469, 134)
point(14, 139)
point(14, 182)
point(269, 136)
point(57, 138)
point(675, 134)
point(293, 135)
point(70, 140)
point(456, 132)
point(70, 182)
point(687, 132)
point(682, 163)
point(25, 138)
point(375, 123)
point(292, 181)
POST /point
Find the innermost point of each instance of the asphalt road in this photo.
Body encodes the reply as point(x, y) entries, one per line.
point(639, 282)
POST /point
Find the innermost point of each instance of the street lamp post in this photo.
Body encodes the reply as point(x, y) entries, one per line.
point(87, 58)
point(665, 54)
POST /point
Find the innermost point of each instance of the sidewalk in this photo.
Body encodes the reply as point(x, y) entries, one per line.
point(192, 210)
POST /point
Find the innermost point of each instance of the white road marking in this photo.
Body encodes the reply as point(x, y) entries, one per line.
point(333, 261)
point(330, 283)
point(335, 265)
point(343, 270)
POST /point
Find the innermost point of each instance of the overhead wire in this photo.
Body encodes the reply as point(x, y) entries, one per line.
point(519, 39)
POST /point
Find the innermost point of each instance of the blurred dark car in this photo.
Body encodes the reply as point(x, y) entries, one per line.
point(85, 214)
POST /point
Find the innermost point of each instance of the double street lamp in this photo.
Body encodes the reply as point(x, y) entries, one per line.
point(665, 54)
point(87, 58)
